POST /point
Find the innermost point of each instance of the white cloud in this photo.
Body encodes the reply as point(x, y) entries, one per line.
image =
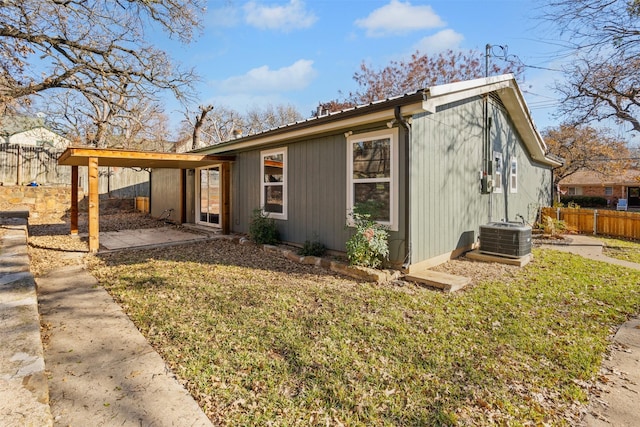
point(224, 17)
point(399, 18)
point(439, 42)
point(284, 18)
point(265, 80)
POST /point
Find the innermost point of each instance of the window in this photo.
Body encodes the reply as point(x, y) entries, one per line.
point(372, 175)
point(608, 191)
point(273, 195)
point(513, 176)
point(575, 191)
point(497, 172)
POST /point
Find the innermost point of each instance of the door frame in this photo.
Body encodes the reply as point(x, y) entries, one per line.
point(198, 207)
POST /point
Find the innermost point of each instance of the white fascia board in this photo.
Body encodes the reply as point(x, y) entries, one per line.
point(331, 126)
point(434, 101)
point(467, 85)
point(514, 101)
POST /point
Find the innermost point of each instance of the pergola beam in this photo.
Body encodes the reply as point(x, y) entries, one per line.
point(91, 157)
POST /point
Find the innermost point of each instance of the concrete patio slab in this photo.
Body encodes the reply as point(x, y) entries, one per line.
point(126, 239)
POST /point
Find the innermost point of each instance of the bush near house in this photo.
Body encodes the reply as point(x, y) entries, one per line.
point(368, 247)
point(262, 229)
point(585, 201)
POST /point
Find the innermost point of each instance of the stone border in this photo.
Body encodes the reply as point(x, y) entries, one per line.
point(362, 273)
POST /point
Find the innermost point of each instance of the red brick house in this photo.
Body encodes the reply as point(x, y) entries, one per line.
point(624, 185)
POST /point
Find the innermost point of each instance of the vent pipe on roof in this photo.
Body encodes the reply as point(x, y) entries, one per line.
point(322, 111)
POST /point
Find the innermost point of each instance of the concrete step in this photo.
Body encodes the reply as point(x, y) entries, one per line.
point(446, 282)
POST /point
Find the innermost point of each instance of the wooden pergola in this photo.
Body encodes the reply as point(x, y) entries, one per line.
point(94, 157)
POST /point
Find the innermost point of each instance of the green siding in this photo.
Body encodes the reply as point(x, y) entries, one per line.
point(316, 174)
point(447, 207)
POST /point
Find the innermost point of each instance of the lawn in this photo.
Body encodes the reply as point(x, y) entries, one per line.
point(260, 340)
point(626, 250)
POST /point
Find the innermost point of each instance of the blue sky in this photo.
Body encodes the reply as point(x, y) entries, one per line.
point(258, 52)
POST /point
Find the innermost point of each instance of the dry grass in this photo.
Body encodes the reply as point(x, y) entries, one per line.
point(260, 340)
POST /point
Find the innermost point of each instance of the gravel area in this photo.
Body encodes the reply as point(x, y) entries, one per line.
point(51, 246)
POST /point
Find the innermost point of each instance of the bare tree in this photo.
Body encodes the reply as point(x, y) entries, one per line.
point(214, 125)
point(422, 70)
point(269, 117)
point(603, 82)
point(200, 117)
point(95, 47)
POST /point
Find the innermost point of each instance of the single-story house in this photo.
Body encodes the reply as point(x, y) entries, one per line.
point(612, 187)
point(438, 163)
point(29, 131)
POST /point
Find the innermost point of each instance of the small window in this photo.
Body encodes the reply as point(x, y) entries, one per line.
point(513, 176)
point(497, 172)
point(575, 191)
point(273, 170)
point(372, 175)
point(608, 191)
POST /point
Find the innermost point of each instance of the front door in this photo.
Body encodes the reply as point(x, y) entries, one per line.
point(633, 197)
point(209, 196)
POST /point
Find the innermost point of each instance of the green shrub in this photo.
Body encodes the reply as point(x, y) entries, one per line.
point(368, 247)
point(585, 201)
point(262, 229)
point(313, 248)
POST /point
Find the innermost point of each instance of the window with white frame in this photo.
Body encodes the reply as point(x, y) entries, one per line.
point(608, 191)
point(497, 172)
point(273, 172)
point(372, 175)
point(513, 176)
point(575, 191)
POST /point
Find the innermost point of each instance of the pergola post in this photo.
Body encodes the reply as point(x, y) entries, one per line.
point(74, 201)
point(94, 228)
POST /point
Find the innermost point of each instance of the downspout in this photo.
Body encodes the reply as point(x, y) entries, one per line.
point(407, 198)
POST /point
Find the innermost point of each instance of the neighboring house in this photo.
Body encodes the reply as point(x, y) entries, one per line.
point(426, 159)
point(29, 131)
point(624, 185)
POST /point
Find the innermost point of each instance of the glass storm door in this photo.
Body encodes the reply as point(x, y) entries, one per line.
point(210, 196)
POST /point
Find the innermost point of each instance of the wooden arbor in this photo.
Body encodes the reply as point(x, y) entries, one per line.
point(94, 157)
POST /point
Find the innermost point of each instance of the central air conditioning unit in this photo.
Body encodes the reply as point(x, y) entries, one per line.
point(508, 239)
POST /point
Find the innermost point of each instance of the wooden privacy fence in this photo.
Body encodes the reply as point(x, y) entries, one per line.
point(594, 221)
point(21, 164)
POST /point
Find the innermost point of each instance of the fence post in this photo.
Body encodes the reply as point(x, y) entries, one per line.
point(595, 222)
point(18, 166)
point(558, 214)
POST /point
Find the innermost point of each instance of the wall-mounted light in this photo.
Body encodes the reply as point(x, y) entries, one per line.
point(391, 123)
point(348, 134)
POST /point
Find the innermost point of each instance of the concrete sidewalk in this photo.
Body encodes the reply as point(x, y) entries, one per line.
point(617, 403)
point(102, 371)
point(588, 247)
